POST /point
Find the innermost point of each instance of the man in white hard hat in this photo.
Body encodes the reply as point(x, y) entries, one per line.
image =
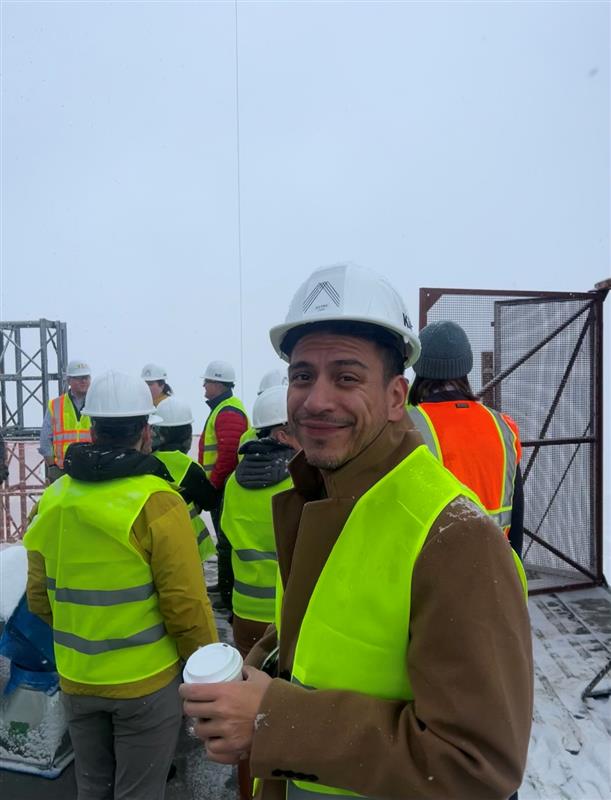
point(174, 439)
point(405, 665)
point(155, 377)
point(247, 516)
point(63, 423)
point(275, 377)
point(113, 567)
point(218, 454)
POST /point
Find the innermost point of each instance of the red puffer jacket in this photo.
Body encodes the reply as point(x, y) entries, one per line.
point(229, 426)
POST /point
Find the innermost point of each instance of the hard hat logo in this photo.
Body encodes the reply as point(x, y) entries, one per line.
point(347, 293)
point(330, 291)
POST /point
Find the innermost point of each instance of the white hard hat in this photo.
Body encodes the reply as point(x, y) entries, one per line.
point(270, 408)
point(114, 394)
point(220, 371)
point(78, 369)
point(153, 372)
point(349, 293)
point(173, 413)
point(275, 377)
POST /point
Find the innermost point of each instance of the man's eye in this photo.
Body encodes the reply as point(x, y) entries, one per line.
point(348, 378)
point(300, 377)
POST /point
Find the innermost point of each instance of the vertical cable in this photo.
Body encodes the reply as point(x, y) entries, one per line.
point(237, 119)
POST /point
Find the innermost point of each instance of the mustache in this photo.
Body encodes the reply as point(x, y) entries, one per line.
point(329, 419)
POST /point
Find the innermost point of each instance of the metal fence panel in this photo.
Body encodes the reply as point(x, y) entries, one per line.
point(538, 357)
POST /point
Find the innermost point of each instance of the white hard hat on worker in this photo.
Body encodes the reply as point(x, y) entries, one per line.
point(78, 369)
point(153, 372)
point(348, 338)
point(275, 377)
point(220, 371)
point(270, 408)
point(114, 395)
point(349, 293)
point(173, 413)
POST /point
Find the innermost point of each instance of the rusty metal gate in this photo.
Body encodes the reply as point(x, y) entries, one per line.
point(538, 357)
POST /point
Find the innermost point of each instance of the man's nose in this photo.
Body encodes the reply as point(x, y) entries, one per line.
point(320, 397)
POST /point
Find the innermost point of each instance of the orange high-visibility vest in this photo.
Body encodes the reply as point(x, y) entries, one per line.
point(479, 445)
point(66, 427)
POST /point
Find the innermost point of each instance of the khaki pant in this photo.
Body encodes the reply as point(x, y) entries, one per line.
point(123, 748)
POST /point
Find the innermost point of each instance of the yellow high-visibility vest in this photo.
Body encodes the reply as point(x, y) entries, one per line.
point(247, 523)
point(210, 446)
point(177, 464)
point(355, 636)
point(107, 626)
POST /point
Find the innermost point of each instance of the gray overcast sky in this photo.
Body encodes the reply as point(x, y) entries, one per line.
point(444, 144)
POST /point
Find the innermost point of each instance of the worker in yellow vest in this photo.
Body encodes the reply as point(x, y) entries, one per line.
point(63, 423)
point(218, 454)
point(404, 664)
point(247, 516)
point(175, 435)
point(113, 568)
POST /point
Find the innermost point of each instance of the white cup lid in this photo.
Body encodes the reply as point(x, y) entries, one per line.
point(213, 663)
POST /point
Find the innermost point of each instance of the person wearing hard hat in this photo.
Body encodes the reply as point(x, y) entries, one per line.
point(247, 516)
point(479, 445)
point(275, 377)
point(175, 434)
point(155, 377)
point(218, 454)
point(64, 423)
point(405, 664)
point(113, 567)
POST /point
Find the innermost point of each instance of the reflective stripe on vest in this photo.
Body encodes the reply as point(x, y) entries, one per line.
point(209, 435)
point(107, 625)
point(66, 427)
point(177, 464)
point(458, 433)
point(247, 523)
point(341, 643)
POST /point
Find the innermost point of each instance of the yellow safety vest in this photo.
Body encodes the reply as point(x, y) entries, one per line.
point(177, 464)
point(247, 523)
point(249, 435)
point(342, 643)
point(65, 426)
point(107, 627)
point(209, 434)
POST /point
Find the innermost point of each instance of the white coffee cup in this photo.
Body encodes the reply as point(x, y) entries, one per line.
point(214, 663)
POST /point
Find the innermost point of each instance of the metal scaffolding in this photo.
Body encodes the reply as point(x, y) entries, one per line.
point(33, 357)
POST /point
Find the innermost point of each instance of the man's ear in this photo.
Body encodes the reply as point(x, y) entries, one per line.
point(396, 396)
point(146, 440)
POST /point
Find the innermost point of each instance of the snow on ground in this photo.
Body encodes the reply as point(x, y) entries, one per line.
point(570, 748)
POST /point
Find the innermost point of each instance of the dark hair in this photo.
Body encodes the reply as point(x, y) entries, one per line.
point(118, 431)
point(422, 388)
point(390, 345)
point(176, 437)
point(166, 388)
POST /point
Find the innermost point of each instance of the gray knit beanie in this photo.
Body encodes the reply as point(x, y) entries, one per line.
point(446, 352)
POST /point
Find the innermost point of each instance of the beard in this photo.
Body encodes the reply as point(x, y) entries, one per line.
point(321, 461)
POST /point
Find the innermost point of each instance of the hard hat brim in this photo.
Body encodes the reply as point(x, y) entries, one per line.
point(278, 333)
